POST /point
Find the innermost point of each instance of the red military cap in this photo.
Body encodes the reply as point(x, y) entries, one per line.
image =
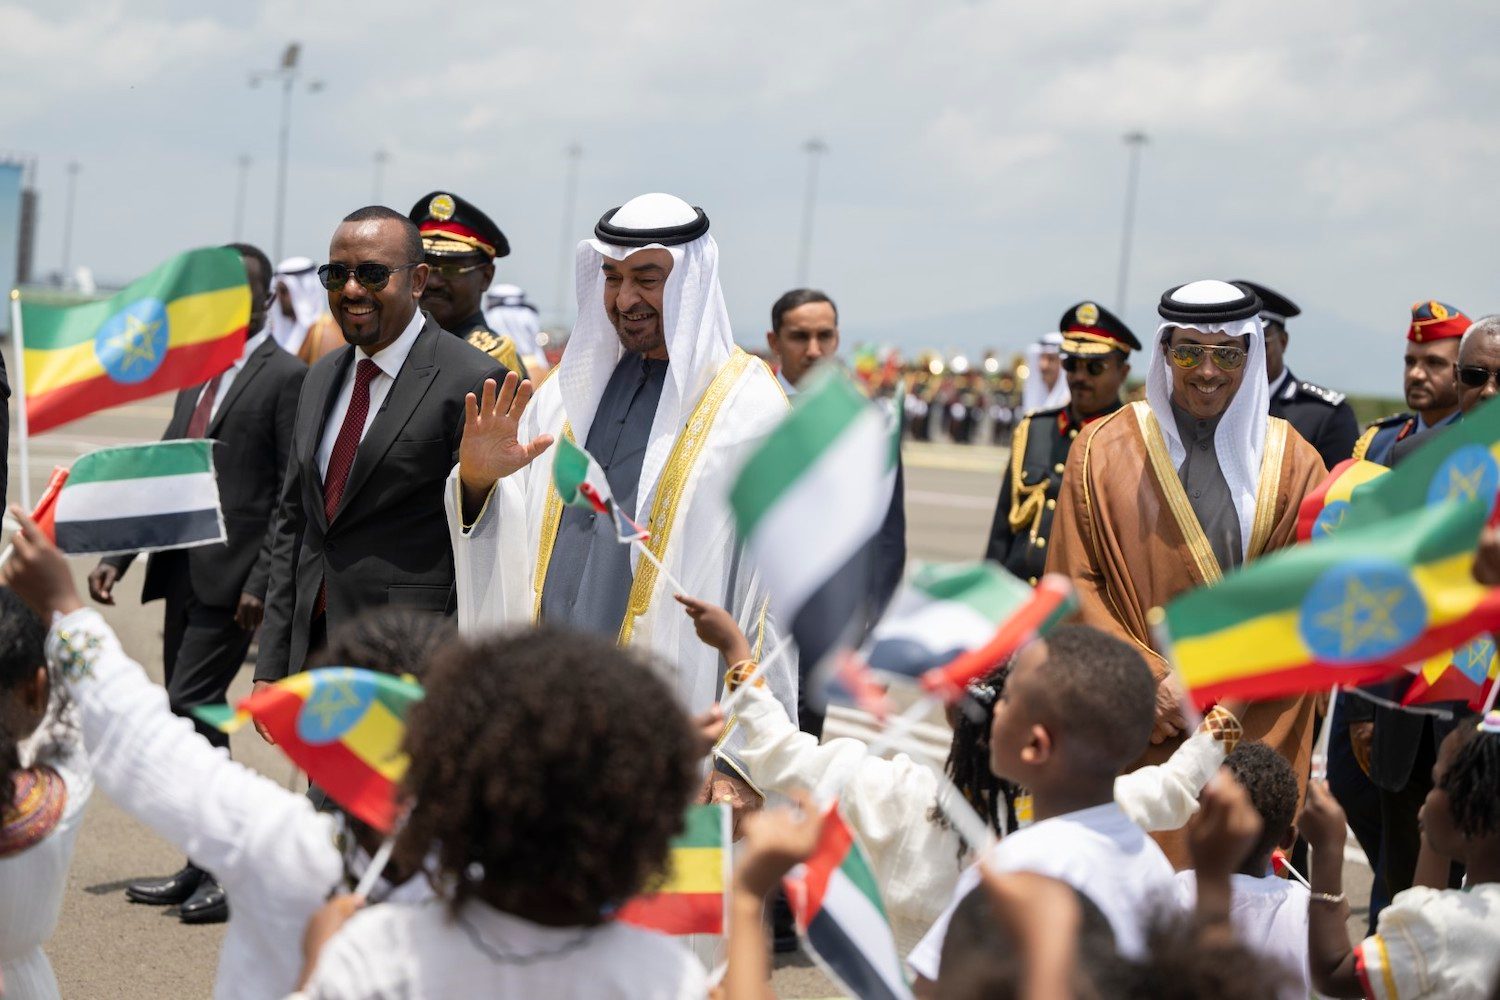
point(1433, 320)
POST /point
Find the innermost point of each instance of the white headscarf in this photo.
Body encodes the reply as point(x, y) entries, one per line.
point(507, 311)
point(309, 301)
point(694, 319)
point(1035, 395)
point(1240, 439)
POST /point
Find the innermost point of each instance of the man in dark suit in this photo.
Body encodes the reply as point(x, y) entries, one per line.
point(214, 594)
point(360, 522)
point(1321, 416)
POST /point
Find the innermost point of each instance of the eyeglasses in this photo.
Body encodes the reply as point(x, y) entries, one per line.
point(1475, 376)
point(1094, 366)
point(1191, 356)
point(371, 274)
point(450, 271)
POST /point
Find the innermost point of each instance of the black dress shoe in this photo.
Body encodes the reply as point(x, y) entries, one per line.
point(167, 891)
point(209, 905)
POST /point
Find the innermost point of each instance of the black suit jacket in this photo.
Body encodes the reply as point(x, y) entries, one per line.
point(253, 428)
point(388, 540)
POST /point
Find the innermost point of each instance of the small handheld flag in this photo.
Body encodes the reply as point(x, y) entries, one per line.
point(1322, 511)
point(134, 498)
point(1051, 603)
point(343, 726)
point(179, 325)
point(839, 915)
point(581, 482)
point(690, 897)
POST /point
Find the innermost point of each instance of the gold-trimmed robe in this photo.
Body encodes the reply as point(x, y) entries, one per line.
point(1125, 534)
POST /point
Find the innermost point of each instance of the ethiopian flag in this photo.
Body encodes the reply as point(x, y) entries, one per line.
point(1345, 610)
point(690, 898)
point(180, 325)
point(1324, 510)
point(342, 725)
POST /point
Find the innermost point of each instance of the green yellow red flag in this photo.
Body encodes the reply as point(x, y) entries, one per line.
point(690, 897)
point(179, 325)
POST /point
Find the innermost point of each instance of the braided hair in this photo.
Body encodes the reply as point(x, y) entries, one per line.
point(1472, 782)
point(968, 764)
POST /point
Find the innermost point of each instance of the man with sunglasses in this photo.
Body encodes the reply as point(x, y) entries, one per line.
point(461, 245)
point(214, 595)
point(1320, 415)
point(1431, 384)
point(1479, 363)
point(360, 521)
point(1173, 492)
point(1095, 349)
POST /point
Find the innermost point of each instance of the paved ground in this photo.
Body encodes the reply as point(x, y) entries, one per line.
point(105, 947)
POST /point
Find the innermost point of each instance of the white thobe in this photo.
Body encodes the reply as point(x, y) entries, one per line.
point(496, 558)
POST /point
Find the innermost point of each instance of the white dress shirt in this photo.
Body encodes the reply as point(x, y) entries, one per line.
point(227, 377)
point(389, 361)
point(1269, 915)
point(272, 852)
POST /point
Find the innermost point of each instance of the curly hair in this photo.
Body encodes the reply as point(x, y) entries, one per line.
point(968, 764)
point(1180, 965)
point(389, 640)
point(1472, 782)
point(22, 650)
point(1272, 785)
point(549, 770)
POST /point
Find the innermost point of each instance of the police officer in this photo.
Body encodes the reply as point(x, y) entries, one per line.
point(1431, 383)
point(1095, 360)
point(1320, 415)
point(461, 244)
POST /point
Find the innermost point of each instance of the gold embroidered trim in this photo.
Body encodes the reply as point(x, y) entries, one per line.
point(1362, 445)
point(669, 488)
point(1269, 487)
point(1209, 570)
point(551, 518)
point(1027, 503)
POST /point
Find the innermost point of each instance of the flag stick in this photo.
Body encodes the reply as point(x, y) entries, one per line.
point(645, 550)
point(377, 867)
point(18, 352)
point(1320, 752)
point(1489, 699)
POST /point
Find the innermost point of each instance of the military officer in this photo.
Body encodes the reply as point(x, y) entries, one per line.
point(1095, 360)
point(461, 244)
point(1431, 384)
point(1320, 415)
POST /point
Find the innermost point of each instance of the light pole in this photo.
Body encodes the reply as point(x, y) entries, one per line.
point(287, 73)
point(574, 153)
point(67, 247)
point(381, 159)
point(243, 161)
point(814, 148)
point(1134, 141)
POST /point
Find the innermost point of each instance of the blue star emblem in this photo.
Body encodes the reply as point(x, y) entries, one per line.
point(1473, 659)
point(132, 343)
point(1470, 473)
point(338, 701)
point(1362, 611)
point(1330, 518)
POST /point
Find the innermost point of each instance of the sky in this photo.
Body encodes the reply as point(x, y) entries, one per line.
point(1341, 152)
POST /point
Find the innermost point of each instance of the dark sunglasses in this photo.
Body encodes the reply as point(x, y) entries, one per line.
point(1094, 366)
point(1475, 376)
point(368, 273)
point(450, 271)
point(1191, 356)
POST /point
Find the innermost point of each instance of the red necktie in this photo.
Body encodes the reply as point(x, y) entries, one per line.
point(344, 447)
point(198, 422)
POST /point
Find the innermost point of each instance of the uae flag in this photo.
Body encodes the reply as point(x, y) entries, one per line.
point(581, 482)
point(840, 918)
point(134, 498)
point(808, 503)
point(942, 611)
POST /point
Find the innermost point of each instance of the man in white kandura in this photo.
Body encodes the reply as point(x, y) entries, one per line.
point(655, 389)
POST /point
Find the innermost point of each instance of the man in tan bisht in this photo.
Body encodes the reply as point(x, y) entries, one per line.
point(1171, 493)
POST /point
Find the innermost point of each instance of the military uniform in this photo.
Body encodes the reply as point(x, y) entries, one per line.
point(1320, 415)
point(1039, 448)
point(1028, 496)
point(499, 346)
point(1375, 444)
point(1430, 320)
point(453, 228)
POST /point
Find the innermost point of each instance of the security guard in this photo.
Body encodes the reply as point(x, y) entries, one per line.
point(1431, 382)
point(1095, 359)
point(461, 244)
point(1320, 415)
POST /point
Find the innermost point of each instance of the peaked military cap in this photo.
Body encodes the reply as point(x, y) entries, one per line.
point(452, 226)
point(1089, 328)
